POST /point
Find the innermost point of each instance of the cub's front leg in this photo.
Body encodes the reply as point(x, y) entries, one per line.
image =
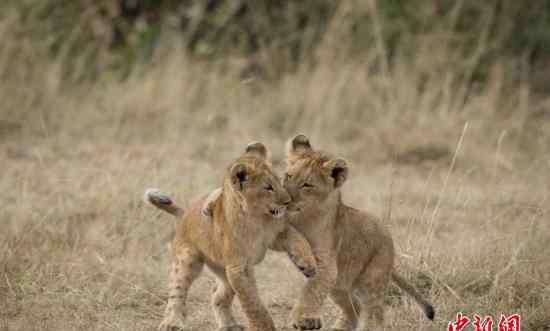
point(241, 277)
point(298, 249)
point(306, 313)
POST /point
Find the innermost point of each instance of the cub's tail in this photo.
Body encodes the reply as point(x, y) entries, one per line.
point(405, 286)
point(163, 202)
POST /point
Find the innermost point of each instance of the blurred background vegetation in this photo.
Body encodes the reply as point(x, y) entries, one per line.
point(440, 62)
point(117, 34)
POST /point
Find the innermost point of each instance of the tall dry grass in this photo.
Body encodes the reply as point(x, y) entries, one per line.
point(465, 167)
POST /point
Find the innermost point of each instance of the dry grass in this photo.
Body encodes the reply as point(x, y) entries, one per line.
point(78, 248)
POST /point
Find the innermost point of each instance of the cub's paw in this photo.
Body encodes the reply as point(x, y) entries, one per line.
point(308, 271)
point(172, 323)
point(170, 327)
point(207, 209)
point(232, 328)
point(306, 266)
point(311, 323)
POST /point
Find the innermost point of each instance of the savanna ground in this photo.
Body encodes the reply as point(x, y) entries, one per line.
point(461, 178)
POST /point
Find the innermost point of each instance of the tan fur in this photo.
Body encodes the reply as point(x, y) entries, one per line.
point(354, 252)
point(231, 242)
point(210, 202)
point(291, 241)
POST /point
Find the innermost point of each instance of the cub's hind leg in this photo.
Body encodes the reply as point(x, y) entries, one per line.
point(349, 310)
point(222, 299)
point(185, 268)
point(370, 287)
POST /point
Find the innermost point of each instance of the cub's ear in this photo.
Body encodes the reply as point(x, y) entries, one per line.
point(239, 175)
point(258, 149)
point(338, 170)
point(298, 145)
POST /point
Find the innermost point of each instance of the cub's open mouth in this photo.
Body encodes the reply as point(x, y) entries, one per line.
point(277, 212)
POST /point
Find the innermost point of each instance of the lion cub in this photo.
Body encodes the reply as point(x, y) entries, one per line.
point(248, 218)
point(354, 251)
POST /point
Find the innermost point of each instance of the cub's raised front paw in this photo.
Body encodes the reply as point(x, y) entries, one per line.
point(305, 264)
point(308, 271)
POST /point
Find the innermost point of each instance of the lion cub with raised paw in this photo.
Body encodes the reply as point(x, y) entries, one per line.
point(248, 217)
point(354, 251)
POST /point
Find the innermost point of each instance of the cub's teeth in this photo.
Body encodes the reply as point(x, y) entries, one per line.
point(280, 212)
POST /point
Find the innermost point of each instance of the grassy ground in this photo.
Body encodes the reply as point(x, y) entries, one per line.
point(465, 178)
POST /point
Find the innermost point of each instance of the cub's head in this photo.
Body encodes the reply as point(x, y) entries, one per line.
point(253, 180)
point(311, 176)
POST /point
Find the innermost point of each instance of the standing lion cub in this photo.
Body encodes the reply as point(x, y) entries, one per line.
point(354, 251)
point(248, 217)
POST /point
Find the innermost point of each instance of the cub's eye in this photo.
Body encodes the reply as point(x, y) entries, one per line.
point(307, 185)
point(269, 187)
